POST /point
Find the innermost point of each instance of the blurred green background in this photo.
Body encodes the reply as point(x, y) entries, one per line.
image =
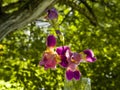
point(21, 50)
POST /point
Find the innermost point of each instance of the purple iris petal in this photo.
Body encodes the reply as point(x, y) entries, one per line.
point(64, 62)
point(43, 61)
point(90, 59)
point(50, 64)
point(77, 74)
point(51, 41)
point(62, 50)
point(48, 61)
point(52, 13)
point(89, 52)
point(69, 74)
point(72, 66)
point(90, 55)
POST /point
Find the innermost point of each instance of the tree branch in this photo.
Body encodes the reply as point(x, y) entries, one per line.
point(89, 9)
point(1, 6)
point(21, 18)
point(82, 11)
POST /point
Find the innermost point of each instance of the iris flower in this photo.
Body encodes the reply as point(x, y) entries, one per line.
point(65, 58)
point(70, 61)
point(74, 59)
point(49, 59)
point(52, 14)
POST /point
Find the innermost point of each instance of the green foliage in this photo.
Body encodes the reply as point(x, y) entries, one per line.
point(22, 50)
point(6, 2)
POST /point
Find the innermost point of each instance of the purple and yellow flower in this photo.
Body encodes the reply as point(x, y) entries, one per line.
point(61, 51)
point(65, 57)
point(52, 14)
point(49, 59)
point(74, 60)
point(70, 61)
point(89, 55)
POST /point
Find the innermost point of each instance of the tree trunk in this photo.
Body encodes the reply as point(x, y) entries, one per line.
point(22, 17)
